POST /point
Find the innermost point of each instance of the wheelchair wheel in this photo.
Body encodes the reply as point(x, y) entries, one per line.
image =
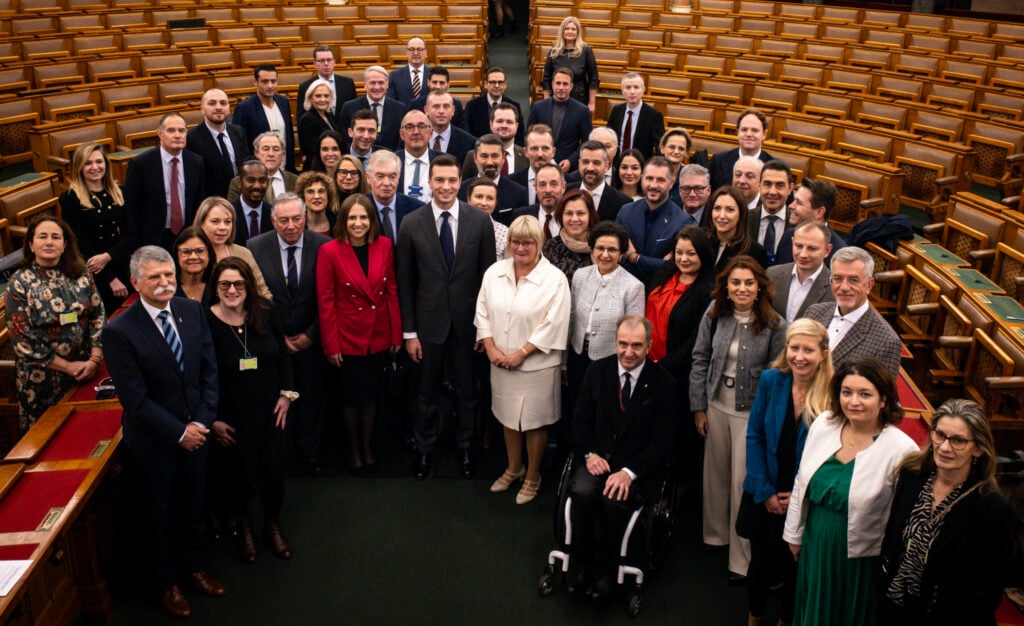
point(547, 580)
point(636, 601)
point(659, 532)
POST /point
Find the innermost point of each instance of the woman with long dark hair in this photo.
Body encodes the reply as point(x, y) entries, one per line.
point(727, 228)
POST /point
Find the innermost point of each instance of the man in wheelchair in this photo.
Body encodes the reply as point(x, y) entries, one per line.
point(622, 427)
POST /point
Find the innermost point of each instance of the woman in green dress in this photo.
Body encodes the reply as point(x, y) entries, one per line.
point(842, 494)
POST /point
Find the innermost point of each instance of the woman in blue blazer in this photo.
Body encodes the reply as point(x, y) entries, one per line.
point(789, 396)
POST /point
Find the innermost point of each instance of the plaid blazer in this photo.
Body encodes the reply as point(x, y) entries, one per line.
point(870, 336)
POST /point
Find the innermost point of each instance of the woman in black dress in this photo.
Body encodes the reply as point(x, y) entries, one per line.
point(256, 390)
point(571, 52)
point(317, 119)
point(93, 206)
point(728, 230)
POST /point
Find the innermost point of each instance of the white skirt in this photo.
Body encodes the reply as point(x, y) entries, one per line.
point(526, 400)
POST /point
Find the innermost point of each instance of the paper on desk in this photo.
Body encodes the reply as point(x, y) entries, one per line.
point(10, 572)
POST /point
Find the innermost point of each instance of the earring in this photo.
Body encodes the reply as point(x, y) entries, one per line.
point(974, 460)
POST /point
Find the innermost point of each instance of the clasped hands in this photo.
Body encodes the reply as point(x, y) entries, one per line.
point(616, 487)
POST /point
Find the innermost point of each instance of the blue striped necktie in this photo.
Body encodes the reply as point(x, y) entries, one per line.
point(172, 339)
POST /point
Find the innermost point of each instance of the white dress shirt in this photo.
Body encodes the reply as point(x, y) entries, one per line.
point(625, 123)
point(543, 215)
point(841, 324)
point(453, 221)
point(798, 292)
point(410, 169)
point(165, 158)
point(762, 227)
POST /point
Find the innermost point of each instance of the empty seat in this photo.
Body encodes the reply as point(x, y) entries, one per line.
point(690, 116)
point(61, 107)
point(17, 117)
point(936, 125)
point(801, 133)
point(932, 175)
point(863, 144)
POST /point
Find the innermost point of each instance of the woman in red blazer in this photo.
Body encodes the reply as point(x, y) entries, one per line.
point(359, 318)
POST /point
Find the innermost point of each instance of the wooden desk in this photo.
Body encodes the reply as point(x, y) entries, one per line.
point(973, 281)
point(936, 255)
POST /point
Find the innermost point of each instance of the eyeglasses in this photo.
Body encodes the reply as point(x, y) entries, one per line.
point(526, 243)
point(603, 250)
point(688, 190)
point(226, 285)
point(187, 252)
point(957, 442)
point(416, 49)
point(347, 173)
point(420, 127)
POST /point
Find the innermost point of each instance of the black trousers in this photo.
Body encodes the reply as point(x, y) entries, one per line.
point(458, 356)
point(597, 521)
point(770, 561)
point(306, 415)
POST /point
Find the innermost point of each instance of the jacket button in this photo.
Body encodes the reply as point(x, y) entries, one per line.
point(373, 307)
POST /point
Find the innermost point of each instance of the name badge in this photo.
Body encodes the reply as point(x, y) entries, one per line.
point(415, 191)
point(245, 364)
point(68, 318)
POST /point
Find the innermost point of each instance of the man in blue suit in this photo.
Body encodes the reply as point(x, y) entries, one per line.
point(568, 118)
point(160, 355)
point(410, 81)
point(266, 111)
point(383, 169)
point(652, 221)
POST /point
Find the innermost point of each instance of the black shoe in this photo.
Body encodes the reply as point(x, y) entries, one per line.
point(422, 467)
point(467, 463)
point(602, 586)
point(737, 580)
point(497, 33)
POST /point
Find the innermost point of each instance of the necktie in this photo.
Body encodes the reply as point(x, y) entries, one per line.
point(415, 83)
point(494, 104)
point(254, 223)
point(292, 279)
point(624, 392)
point(447, 241)
point(627, 132)
point(416, 174)
point(389, 229)
point(437, 143)
point(376, 113)
point(547, 227)
point(225, 156)
point(172, 340)
point(769, 237)
point(177, 217)
point(504, 166)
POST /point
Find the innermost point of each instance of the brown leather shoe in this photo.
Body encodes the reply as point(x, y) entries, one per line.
point(206, 584)
point(246, 541)
point(174, 603)
point(277, 541)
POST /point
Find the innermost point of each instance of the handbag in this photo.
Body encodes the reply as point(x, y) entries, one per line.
point(745, 516)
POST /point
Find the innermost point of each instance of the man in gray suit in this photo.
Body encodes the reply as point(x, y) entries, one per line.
point(444, 247)
point(287, 259)
point(806, 280)
point(856, 330)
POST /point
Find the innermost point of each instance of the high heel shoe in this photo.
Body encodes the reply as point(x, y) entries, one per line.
point(528, 491)
point(505, 480)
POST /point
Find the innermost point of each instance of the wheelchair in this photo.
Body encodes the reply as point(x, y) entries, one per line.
point(642, 548)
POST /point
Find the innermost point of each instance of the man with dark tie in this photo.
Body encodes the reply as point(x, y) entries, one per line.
point(409, 82)
point(622, 432)
point(344, 87)
point(569, 119)
point(652, 221)
point(751, 131)
point(594, 164)
point(164, 186)
point(639, 125)
point(382, 173)
point(550, 187)
point(480, 108)
point(287, 259)
point(160, 356)
point(252, 213)
point(266, 110)
point(767, 221)
point(540, 150)
point(388, 111)
point(439, 79)
point(269, 150)
point(222, 145)
point(694, 189)
point(445, 136)
point(415, 156)
point(443, 250)
point(506, 127)
point(489, 156)
point(812, 200)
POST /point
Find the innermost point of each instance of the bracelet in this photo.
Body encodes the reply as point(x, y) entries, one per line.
point(96, 359)
point(524, 351)
point(291, 395)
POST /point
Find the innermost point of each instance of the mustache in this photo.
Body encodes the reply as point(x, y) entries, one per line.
point(159, 291)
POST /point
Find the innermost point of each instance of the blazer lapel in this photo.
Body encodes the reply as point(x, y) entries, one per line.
point(308, 270)
point(353, 271)
point(156, 337)
point(430, 234)
point(272, 267)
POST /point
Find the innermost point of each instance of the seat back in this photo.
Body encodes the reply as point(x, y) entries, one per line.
point(1008, 271)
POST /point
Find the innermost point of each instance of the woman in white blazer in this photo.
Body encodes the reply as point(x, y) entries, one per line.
point(842, 494)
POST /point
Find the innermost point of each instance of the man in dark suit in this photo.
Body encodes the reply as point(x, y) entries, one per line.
point(344, 87)
point(438, 79)
point(480, 109)
point(269, 150)
point(383, 173)
point(540, 150)
point(267, 111)
point(489, 156)
point(222, 145)
point(638, 124)
point(389, 112)
point(568, 118)
point(295, 298)
point(649, 245)
point(443, 250)
point(416, 157)
point(252, 213)
point(767, 222)
point(805, 281)
point(362, 136)
point(445, 136)
point(594, 164)
point(812, 200)
point(694, 190)
point(506, 127)
point(751, 129)
point(550, 187)
point(160, 356)
point(409, 81)
point(855, 330)
point(164, 186)
point(622, 431)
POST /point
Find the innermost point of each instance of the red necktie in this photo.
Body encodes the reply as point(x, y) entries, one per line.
point(437, 144)
point(547, 227)
point(415, 83)
point(177, 219)
point(504, 166)
point(627, 132)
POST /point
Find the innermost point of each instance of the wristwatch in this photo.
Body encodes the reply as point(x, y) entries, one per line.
point(291, 395)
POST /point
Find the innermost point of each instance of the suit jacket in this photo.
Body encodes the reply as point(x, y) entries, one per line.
point(359, 312)
point(575, 129)
point(250, 116)
point(781, 277)
point(235, 188)
point(754, 224)
point(404, 205)
point(400, 84)
point(298, 314)
point(640, 437)
point(520, 162)
point(510, 195)
point(681, 334)
point(870, 336)
point(434, 300)
point(458, 115)
point(242, 221)
point(650, 126)
point(785, 249)
point(344, 90)
point(158, 398)
point(478, 117)
point(721, 166)
point(764, 429)
point(310, 127)
point(387, 136)
point(145, 196)
point(200, 140)
point(459, 143)
point(611, 201)
point(506, 216)
point(654, 246)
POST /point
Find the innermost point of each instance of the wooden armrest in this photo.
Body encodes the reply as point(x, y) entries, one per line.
point(1011, 202)
point(1005, 383)
point(981, 255)
point(946, 180)
point(1015, 158)
point(955, 342)
point(933, 229)
point(1018, 280)
point(872, 203)
point(60, 162)
point(890, 277)
point(924, 308)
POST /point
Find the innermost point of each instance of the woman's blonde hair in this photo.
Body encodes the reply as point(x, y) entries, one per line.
point(818, 399)
point(204, 211)
point(525, 227)
point(78, 186)
point(559, 46)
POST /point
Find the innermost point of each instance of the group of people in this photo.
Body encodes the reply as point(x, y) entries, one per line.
point(689, 307)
